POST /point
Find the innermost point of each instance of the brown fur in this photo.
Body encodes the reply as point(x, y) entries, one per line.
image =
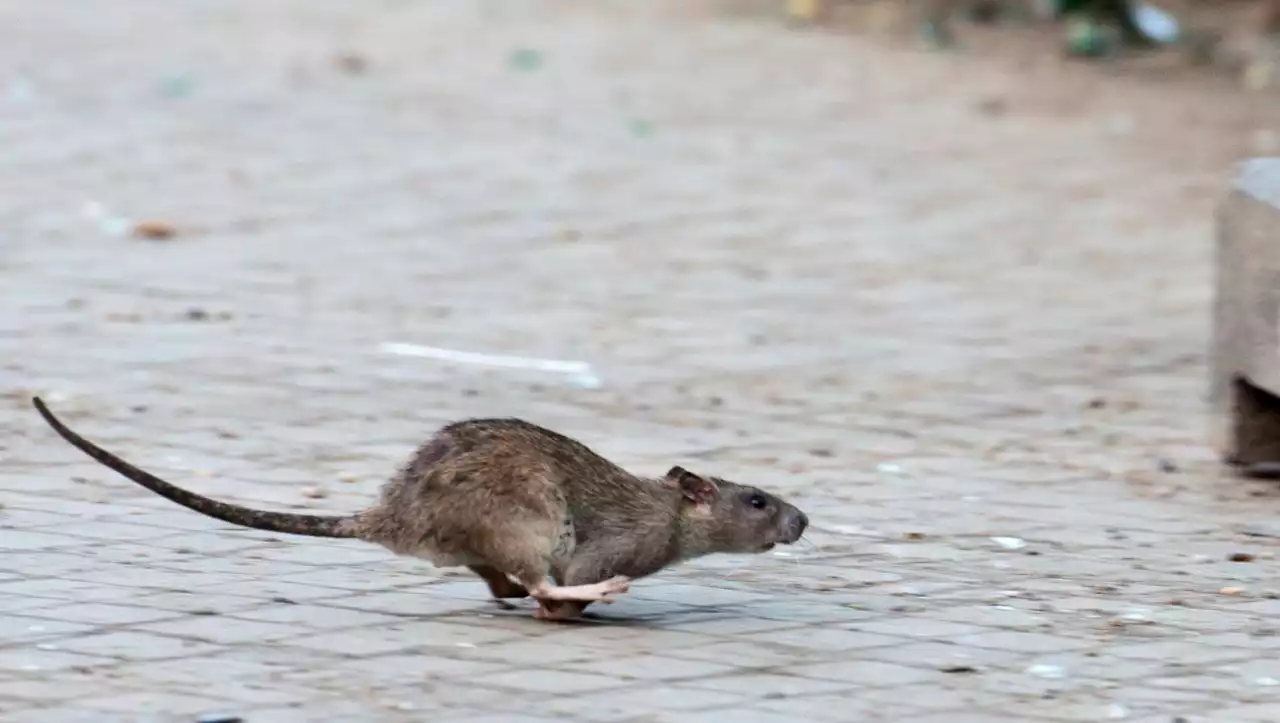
point(517, 503)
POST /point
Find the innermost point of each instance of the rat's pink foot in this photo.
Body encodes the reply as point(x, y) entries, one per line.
point(596, 592)
point(558, 611)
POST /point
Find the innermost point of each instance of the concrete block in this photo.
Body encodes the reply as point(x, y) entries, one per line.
point(1245, 354)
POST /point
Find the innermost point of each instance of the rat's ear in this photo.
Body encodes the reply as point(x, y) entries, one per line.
point(698, 490)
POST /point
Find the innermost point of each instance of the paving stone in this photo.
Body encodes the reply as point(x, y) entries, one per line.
point(103, 614)
point(743, 714)
point(631, 702)
point(315, 617)
point(165, 704)
point(130, 645)
point(553, 681)
point(652, 667)
point(763, 684)
point(31, 659)
point(218, 630)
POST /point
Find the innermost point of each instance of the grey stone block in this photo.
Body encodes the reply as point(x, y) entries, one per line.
point(1245, 355)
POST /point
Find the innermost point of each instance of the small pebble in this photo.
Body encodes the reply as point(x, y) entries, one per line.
point(352, 63)
point(176, 86)
point(985, 11)
point(992, 106)
point(154, 230)
point(196, 314)
point(803, 10)
point(958, 668)
point(1010, 543)
point(936, 33)
point(315, 492)
point(1047, 671)
point(1231, 591)
point(114, 226)
point(220, 718)
point(525, 59)
point(640, 127)
point(1240, 557)
point(1087, 38)
point(1168, 466)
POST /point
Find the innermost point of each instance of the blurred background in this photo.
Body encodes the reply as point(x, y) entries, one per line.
point(695, 213)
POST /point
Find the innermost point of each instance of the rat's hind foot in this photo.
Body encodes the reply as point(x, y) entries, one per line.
point(555, 611)
point(596, 592)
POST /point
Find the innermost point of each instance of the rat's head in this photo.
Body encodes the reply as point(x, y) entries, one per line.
point(727, 517)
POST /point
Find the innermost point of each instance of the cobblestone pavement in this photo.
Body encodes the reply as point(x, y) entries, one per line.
point(969, 342)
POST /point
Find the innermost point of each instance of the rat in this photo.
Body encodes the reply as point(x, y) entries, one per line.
point(534, 513)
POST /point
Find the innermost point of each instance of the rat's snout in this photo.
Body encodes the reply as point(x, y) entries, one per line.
point(795, 527)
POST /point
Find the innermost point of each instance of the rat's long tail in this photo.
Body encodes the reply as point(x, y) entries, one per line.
point(313, 525)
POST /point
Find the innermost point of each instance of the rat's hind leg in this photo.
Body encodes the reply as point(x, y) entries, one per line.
point(526, 551)
point(590, 562)
point(531, 566)
point(544, 589)
point(500, 585)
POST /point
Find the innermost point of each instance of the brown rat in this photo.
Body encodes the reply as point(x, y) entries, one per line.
point(532, 512)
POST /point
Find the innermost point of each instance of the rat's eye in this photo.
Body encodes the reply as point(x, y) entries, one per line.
point(758, 501)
